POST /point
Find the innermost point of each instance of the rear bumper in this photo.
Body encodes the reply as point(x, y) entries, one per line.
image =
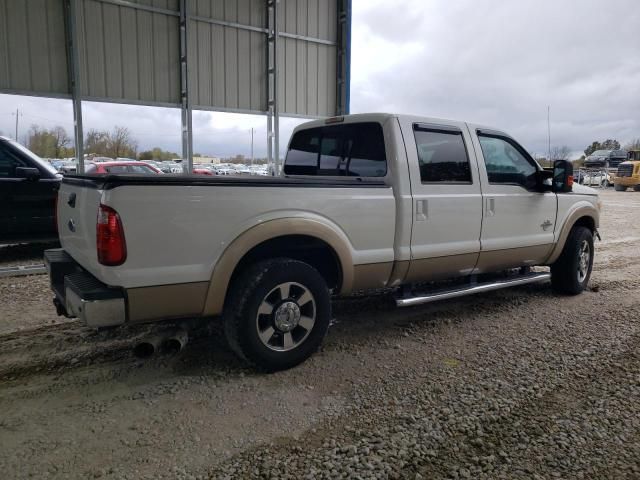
point(79, 294)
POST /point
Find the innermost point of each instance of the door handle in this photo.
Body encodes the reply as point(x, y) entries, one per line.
point(422, 210)
point(491, 207)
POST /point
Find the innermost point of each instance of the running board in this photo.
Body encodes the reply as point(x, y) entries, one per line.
point(470, 290)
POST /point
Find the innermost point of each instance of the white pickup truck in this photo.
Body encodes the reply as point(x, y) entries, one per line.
point(365, 201)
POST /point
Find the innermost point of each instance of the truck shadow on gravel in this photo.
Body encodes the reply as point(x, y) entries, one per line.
point(31, 252)
point(359, 321)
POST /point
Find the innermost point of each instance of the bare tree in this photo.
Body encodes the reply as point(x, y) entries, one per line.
point(560, 153)
point(121, 144)
point(96, 142)
point(633, 144)
point(37, 141)
point(48, 143)
point(60, 141)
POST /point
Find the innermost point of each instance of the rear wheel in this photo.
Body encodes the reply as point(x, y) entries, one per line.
point(571, 272)
point(277, 314)
point(619, 188)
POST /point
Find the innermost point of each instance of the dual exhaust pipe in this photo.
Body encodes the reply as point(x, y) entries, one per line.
point(170, 343)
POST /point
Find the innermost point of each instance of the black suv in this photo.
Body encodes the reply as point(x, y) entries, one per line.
point(28, 193)
point(606, 159)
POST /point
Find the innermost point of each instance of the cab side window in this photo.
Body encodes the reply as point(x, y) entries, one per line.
point(506, 164)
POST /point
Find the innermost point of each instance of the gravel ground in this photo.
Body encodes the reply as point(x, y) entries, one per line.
point(519, 383)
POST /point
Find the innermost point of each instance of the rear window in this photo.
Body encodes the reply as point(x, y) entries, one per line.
point(355, 150)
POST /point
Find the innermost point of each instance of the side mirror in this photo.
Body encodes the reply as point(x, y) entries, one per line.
point(544, 181)
point(562, 176)
point(32, 174)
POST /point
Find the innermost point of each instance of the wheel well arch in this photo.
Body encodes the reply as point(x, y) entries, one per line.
point(582, 217)
point(322, 245)
point(305, 248)
point(585, 221)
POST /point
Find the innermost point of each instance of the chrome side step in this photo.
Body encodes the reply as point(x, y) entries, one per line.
point(470, 290)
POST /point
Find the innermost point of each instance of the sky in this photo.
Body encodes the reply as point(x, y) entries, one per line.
point(494, 62)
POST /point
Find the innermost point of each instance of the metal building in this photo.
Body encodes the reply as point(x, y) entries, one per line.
point(270, 57)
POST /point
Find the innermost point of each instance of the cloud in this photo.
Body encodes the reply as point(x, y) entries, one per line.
point(501, 63)
point(484, 61)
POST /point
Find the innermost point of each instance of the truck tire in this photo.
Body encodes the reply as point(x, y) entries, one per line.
point(619, 188)
point(277, 313)
point(571, 272)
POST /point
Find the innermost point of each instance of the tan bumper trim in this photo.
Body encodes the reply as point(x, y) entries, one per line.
point(166, 301)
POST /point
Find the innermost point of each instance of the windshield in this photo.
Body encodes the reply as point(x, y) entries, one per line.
point(600, 153)
point(33, 156)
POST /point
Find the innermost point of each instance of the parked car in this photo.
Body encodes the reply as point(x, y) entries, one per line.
point(28, 191)
point(125, 167)
point(67, 167)
point(594, 177)
point(164, 167)
point(202, 171)
point(605, 159)
point(365, 202)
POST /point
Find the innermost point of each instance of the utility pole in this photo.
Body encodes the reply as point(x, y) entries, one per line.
point(252, 147)
point(18, 115)
point(549, 131)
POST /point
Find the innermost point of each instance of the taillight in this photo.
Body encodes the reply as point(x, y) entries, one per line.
point(570, 181)
point(112, 248)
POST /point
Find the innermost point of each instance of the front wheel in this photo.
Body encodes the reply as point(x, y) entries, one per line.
point(619, 188)
point(571, 272)
point(277, 314)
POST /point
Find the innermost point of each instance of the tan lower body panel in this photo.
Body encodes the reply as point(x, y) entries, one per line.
point(166, 301)
point(371, 275)
point(495, 260)
point(439, 268)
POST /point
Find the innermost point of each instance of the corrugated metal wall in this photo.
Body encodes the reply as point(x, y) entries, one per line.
point(32, 47)
point(307, 70)
point(227, 64)
point(129, 52)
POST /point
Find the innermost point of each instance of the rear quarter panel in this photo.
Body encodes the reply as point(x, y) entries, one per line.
point(176, 234)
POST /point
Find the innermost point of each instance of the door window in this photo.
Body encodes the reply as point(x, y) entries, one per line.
point(8, 164)
point(442, 156)
point(506, 164)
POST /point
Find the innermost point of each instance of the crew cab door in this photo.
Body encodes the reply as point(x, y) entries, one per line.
point(519, 220)
point(28, 206)
point(447, 201)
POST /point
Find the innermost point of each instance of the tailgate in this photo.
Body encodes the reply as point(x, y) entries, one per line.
point(78, 202)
